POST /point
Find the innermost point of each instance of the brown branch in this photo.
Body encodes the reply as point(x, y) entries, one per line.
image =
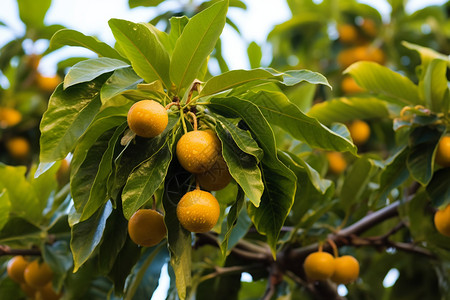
point(5, 250)
point(221, 271)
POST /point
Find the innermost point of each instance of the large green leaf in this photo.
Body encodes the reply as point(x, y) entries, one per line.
point(90, 69)
point(195, 44)
point(87, 235)
point(68, 37)
point(347, 109)
point(177, 25)
point(136, 3)
point(120, 81)
point(5, 207)
point(278, 110)
point(422, 143)
point(68, 114)
point(293, 77)
point(32, 12)
point(279, 181)
point(143, 48)
point(242, 166)
point(435, 85)
point(381, 80)
point(232, 79)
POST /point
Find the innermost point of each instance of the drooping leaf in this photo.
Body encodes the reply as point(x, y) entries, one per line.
point(69, 37)
point(143, 48)
point(381, 80)
point(232, 219)
point(278, 110)
point(347, 109)
point(90, 69)
point(293, 77)
point(68, 114)
point(195, 44)
point(242, 166)
point(422, 143)
point(87, 235)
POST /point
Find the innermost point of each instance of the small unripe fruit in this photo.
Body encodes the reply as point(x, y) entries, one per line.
point(198, 211)
point(359, 131)
point(442, 221)
point(319, 266)
point(346, 269)
point(443, 152)
point(147, 118)
point(146, 227)
point(217, 178)
point(197, 151)
point(16, 267)
point(37, 275)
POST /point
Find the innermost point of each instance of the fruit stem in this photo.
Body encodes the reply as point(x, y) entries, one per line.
point(197, 185)
point(320, 246)
point(194, 118)
point(154, 202)
point(182, 121)
point(335, 249)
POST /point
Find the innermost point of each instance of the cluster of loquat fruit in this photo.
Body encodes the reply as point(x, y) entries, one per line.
point(199, 152)
point(34, 278)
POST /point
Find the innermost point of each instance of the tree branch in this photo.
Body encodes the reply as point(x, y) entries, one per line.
point(5, 250)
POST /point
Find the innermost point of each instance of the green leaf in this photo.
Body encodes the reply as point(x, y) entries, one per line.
point(242, 138)
point(254, 53)
point(120, 81)
point(87, 235)
point(195, 44)
point(177, 25)
point(143, 48)
point(439, 188)
point(293, 77)
point(426, 54)
point(394, 174)
point(32, 12)
point(356, 182)
point(5, 207)
point(68, 37)
point(145, 179)
point(302, 96)
point(90, 69)
point(231, 79)
point(381, 80)
point(279, 181)
point(347, 109)
point(278, 110)
point(232, 219)
point(435, 85)
point(18, 229)
point(59, 258)
point(98, 191)
point(422, 143)
point(68, 115)
point(242, 166)
point(136, 3)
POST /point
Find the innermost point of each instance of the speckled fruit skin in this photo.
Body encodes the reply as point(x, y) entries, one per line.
point(443, 152)
point(146, 227)
point(198, 211)
point(16, 267)
point(346, 269)
point(197, 151)
point(359, 131)
point(38, 274)
point(147, 118)
point(217, 178)
point(442, 221)
point(319, 266)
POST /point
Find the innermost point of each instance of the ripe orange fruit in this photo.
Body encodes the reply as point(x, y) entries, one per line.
point(359, 131)
point(442, 221)
point(217, 178)
point(147, 118)
point(349, 86)
point(37, 275)
point(346, 269)
point(197, 151)
point(18, 147)
point(16, 267)
point(146, 227)
point(319, 265)
point(364, 52)
point(369, 27)
point(443, 152)
point(198, 211)
point(347, 33)
point(48, 84)
point(28, 290)
point(47, 293)
point(336, 162)
point(63, 173)
point(9, 117)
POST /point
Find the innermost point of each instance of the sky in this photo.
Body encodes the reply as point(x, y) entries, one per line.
point(91, 18)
